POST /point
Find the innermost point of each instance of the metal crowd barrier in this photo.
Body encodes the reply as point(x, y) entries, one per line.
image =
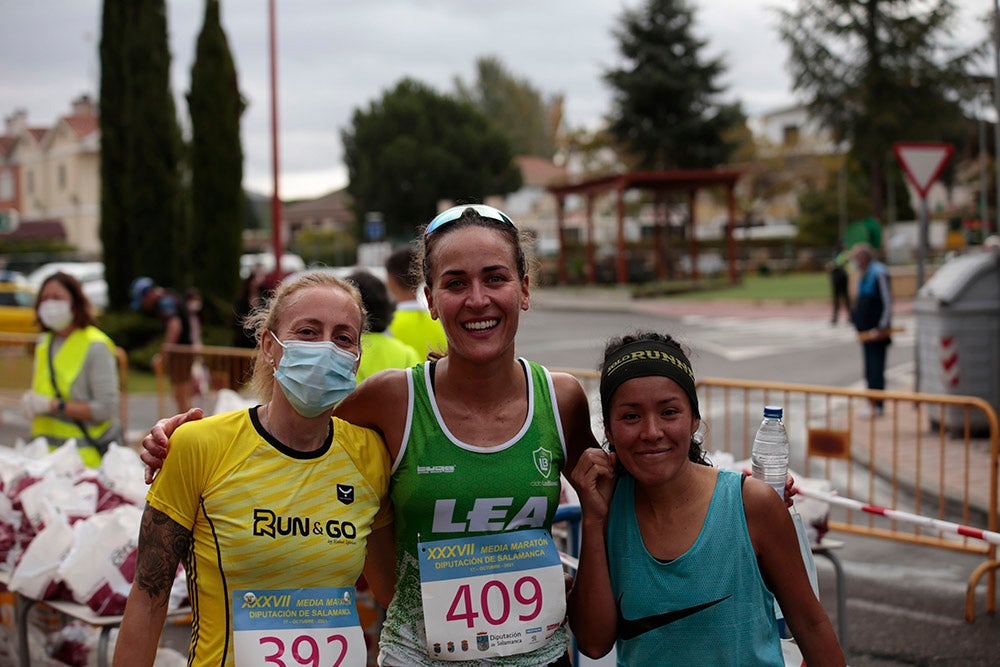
point(940, 450)
point(226, 368)
point(17, 355)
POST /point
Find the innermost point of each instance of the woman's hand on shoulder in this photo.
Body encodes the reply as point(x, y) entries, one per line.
point(156, 444)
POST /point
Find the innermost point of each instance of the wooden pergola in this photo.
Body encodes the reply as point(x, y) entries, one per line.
point(659, 182)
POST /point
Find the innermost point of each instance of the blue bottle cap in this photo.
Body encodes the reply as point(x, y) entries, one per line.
point(773, 411)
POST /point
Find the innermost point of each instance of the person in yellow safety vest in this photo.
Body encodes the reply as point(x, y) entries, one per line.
point(380, 350)
point(74, 390)
point(412, 322)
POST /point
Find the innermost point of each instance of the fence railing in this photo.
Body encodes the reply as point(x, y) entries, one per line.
point(932, 455)
point(927, 454)
point(226, 368)
point(17, 360)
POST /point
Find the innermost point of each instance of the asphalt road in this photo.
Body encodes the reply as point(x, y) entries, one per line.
point(905, 603)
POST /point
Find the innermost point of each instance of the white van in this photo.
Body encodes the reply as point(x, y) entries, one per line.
point(265, 260)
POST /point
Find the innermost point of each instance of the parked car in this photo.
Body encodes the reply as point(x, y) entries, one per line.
point(90, 275)
point(265, 260)
point(17, 304)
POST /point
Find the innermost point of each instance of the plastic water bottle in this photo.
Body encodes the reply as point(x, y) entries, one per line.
point(769, 458)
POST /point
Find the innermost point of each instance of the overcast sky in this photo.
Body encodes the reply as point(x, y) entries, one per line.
point(335, 56)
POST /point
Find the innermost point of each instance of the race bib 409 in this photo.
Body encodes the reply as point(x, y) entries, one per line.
point(491, 595)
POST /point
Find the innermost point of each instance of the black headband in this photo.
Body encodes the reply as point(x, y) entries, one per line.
point(644, 358)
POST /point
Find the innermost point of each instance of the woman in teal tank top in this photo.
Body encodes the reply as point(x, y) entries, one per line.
point(680, 562)
point(480, 437)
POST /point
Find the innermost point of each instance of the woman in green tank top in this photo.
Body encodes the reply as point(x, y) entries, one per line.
point(485, 401)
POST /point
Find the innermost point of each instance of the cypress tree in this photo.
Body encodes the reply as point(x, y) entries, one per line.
point(116, 239)
point(215, 105)
point(141, 227)
point(157, 150)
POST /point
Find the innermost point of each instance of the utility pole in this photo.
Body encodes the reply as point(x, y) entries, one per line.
point(276, 224)
point(996, 107)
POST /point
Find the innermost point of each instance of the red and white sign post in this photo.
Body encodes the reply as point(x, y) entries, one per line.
point(922, 163)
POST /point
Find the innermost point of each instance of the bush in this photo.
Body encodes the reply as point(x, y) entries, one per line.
point(140, 335)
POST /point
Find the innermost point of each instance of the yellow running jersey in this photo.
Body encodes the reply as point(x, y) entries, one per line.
point(264, 516)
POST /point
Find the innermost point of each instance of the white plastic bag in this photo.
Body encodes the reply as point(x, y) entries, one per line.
point(56, 496)
point(805, 549)
point(37, 572)
point(121, 471)
point(10, 524)
point(100, 565)
point(227, 400)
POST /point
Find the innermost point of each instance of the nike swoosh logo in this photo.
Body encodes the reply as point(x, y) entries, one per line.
point(632, 628)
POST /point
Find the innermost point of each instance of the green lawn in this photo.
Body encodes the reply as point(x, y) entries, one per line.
point(141, 381)
point(789, 287)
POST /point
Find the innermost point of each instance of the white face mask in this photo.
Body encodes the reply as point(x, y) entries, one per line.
point(55, 314)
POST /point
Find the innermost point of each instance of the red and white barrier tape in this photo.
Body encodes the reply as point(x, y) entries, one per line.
point(569, 561)
point(937, 524)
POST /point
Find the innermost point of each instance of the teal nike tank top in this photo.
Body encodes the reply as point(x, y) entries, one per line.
point(709, 606)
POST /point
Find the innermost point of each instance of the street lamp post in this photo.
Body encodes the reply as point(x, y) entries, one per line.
point(276, 222)
point(996, 105)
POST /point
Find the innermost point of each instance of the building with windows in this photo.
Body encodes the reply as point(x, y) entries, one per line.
point(53, 174)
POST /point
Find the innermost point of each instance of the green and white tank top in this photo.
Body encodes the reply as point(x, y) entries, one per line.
point(444, 488)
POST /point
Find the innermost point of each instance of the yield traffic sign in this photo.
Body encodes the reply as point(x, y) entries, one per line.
point(922, 162)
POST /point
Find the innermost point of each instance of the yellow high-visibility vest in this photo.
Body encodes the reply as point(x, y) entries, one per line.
point(68, 362)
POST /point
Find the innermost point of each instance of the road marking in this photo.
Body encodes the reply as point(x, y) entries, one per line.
point(743, 338)
point(892, 610)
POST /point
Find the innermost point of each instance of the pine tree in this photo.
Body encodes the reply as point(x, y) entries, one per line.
point(215, 105)
point(878, 72)
point(666, 108)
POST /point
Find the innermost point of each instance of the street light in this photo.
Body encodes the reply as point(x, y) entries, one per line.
point(275, 198)
point(996, 104)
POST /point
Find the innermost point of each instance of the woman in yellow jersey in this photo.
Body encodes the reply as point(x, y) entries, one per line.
point(477, 440)
point(74, 390)
point(269, 508)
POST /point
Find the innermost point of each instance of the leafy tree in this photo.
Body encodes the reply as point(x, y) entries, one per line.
point(592, 150)
point(330, 247)
point(666, 107)
point(415, 147)
point(215, 105)
point(819, 205)
point(142, 228)
point(878, 72)
point(527, 120)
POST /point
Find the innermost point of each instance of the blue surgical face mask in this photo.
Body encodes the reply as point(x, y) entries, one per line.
point(314, 376)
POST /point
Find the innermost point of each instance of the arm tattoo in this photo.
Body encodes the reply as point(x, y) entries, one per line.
point(162, 544)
